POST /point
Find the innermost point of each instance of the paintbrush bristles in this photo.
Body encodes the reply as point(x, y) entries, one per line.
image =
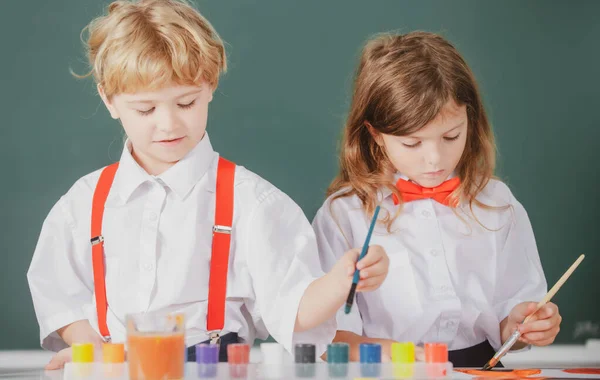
point(490, 364)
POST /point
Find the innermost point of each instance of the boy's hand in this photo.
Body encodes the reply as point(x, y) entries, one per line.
point(58, 361)
point(373, 268)
point(542, 327)
point(78, 331)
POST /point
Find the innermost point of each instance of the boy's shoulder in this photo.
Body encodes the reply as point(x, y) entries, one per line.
point(250, 186)
point(84, 187)
point(74, 206)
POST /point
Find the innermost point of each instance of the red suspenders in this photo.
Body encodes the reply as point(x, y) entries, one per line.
point(219, 262)
point(100, 195)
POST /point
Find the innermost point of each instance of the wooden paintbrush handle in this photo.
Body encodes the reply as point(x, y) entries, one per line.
point(556, 286)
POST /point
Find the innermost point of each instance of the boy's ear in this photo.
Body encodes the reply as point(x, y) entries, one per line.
point(111, 108)
point(212, 92)
point(374, 133)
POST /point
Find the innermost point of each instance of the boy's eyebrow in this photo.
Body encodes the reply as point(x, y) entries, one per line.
point(177, 97)
point(194, 91)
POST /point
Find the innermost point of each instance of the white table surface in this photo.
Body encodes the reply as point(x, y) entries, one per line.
point(29, 364)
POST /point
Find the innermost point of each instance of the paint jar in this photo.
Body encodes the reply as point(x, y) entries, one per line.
point(156, 346)
point(370, 359)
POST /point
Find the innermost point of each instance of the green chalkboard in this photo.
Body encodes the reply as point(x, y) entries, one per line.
point(280, 109)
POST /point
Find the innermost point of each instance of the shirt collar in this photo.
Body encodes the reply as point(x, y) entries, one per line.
point(180, 178)
point(385, 191)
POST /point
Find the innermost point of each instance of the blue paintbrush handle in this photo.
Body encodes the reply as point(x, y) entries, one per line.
point(350, 299)
point(365, 247)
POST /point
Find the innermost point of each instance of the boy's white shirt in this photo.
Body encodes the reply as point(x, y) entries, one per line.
point(449, 281)
point(158, 234)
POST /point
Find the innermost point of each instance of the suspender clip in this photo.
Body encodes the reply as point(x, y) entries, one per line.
point(215, 337)
point(222, 229)
point(97, 240)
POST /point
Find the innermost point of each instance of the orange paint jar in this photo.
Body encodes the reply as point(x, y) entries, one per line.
point(155, 347)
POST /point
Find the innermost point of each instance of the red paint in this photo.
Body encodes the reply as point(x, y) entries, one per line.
point(583, 371)
point(512, 374)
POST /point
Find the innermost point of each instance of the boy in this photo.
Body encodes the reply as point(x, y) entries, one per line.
point(172, 216)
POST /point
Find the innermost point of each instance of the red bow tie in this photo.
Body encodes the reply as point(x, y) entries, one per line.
point(411, 191)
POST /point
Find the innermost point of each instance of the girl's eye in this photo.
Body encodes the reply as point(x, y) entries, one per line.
point(412, 145)
point(451, 138)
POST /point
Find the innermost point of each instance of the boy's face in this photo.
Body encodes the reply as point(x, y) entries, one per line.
point(163, 125)
point(431, 154)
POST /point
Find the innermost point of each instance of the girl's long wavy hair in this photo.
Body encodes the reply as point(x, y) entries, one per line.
point(401, 84)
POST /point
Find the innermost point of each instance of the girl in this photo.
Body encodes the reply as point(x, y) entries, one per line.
point(174, 227)
point(464, 268)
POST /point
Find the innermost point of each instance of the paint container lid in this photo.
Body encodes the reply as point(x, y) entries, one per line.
point(338, 353)
point(238, 353)
point(207, 353)
point(370, 353)
point(403, 352)
point(436, 353)
point(113, 353)
point(273, 358)
point(82, 352)
point(272, 353)
point(305, 353)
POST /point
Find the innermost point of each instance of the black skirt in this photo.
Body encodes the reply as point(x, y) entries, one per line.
point(474, 356)
point(226, 340)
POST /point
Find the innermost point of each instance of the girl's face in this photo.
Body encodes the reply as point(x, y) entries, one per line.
point(431, 154)
point(163, 125)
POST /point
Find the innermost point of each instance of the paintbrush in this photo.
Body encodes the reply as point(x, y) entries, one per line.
point(365, 247)
point(517, 334)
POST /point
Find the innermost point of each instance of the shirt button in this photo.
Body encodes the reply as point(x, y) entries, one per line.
point(148, 267)
point(152, 216)
point(434, 252)
point(426, 213)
